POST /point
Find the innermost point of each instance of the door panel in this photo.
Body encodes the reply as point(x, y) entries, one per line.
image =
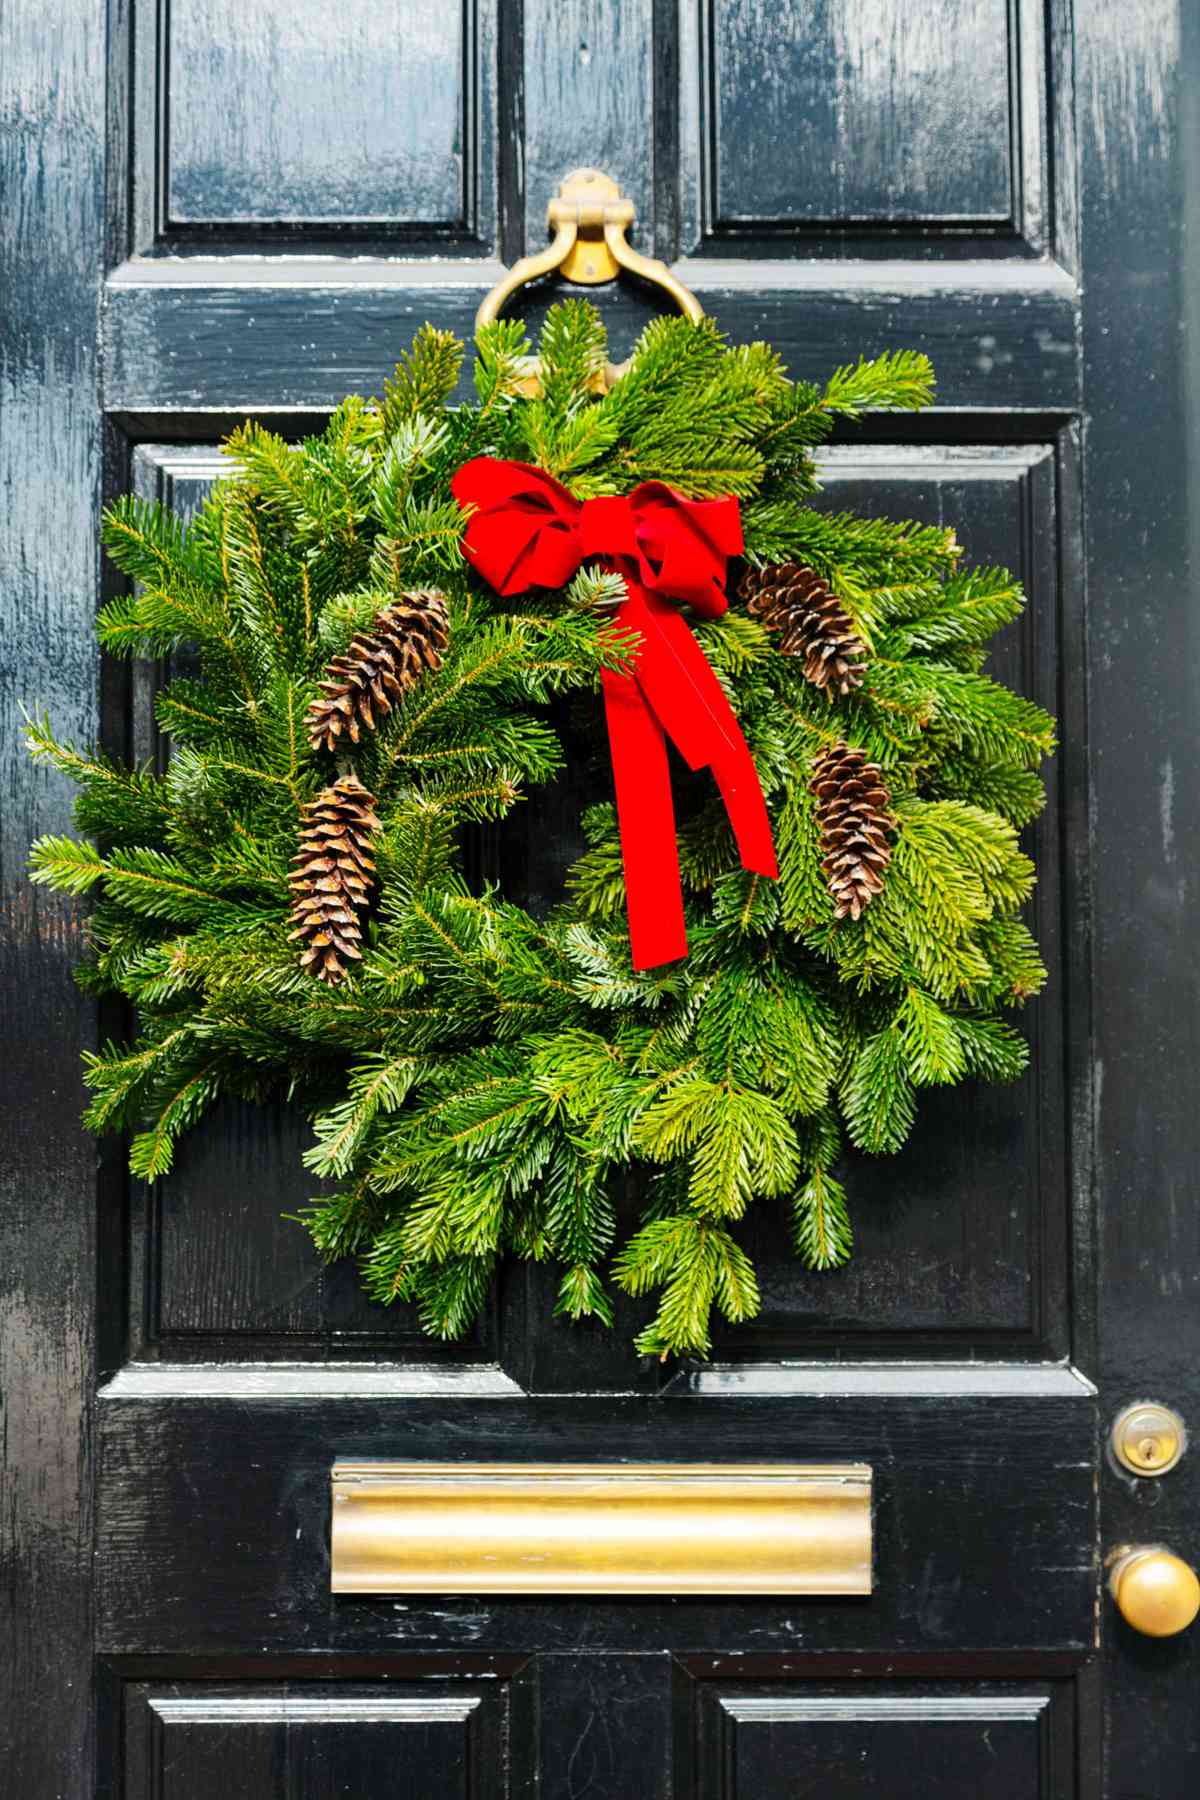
point(999, 1744)
point(250, 212)
point(262, 1741)
point(875, 128)
point(962, 1243)
point(868, 104)
point(293, 122)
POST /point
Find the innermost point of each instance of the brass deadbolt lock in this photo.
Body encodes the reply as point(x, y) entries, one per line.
point(1148, 1439)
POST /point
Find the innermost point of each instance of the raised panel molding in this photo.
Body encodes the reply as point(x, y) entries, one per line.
point(853, 1745)
point(961, 1238)
point(282, 1709)
point(293, 121)
point(250, 1742)
point(872, 120)
point(179, 476)
point(218, 1271)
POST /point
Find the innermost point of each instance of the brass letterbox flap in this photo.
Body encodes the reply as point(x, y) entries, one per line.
point(601, 1528)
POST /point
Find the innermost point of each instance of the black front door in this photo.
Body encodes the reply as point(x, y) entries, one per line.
point(217, 209)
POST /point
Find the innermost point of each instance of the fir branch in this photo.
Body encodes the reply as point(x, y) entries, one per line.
point(969, 610)
point(821, 1229)
point(501, 364)
point(697, 1265)
point(118, 1075)
point(379, 1085)
point(68, 864)
point(424, 378)
point(897, 381)
point(877, 1096)
point(152, 1152)
point(275, 469)
point(581, 1295)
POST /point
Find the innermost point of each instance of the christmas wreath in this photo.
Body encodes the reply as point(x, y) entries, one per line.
point(398, 631)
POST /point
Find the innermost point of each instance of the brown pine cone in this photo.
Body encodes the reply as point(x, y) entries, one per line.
point(332, 877)
point(812, 623)
point(856, 820)
point(404, 641)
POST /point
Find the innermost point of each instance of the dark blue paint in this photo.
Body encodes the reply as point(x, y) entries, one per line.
point(844, 186)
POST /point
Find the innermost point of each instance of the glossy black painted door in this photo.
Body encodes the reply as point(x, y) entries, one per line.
point(216, 209)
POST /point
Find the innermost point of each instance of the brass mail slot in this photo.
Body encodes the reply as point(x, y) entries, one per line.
point(601, 1528)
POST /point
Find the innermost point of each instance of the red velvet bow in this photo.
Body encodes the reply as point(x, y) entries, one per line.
point(527, 531)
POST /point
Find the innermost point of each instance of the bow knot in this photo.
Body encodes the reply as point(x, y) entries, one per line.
point(527, 531)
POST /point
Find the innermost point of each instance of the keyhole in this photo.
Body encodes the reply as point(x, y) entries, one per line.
point(1147, 1438)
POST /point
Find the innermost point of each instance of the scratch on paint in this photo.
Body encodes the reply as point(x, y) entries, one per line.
point(1166, 809)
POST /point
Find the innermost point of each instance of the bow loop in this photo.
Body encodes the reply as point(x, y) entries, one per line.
point(525, 531)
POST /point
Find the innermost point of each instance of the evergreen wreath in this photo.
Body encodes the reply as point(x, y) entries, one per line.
point(288, 907)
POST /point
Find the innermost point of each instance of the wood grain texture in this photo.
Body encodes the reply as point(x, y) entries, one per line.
point(861, 110)
point(294, 123)
point(604, 1726)
point(589, 70)
point(1138, 74)
point(250, 339)
point(213, 1491)
point(295, 111)
point(52, 173)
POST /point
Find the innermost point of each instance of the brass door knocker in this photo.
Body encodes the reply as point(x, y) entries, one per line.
point(589, 216)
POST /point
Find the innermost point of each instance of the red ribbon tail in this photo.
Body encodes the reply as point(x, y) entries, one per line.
point(646, 816)
point(690, 705)
point(737, 778)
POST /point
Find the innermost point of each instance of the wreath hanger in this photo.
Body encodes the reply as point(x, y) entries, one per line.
point(589, 216)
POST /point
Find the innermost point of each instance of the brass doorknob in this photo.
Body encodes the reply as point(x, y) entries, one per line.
point(1156, 1592)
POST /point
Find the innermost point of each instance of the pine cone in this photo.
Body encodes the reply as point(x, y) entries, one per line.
point(813, 623)
point(854, 811)
point(405, 639)
point(331, 876)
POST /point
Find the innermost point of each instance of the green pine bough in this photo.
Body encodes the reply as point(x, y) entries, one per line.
point(483, 1081)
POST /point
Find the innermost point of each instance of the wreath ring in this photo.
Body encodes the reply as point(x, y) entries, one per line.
point(287, 907)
